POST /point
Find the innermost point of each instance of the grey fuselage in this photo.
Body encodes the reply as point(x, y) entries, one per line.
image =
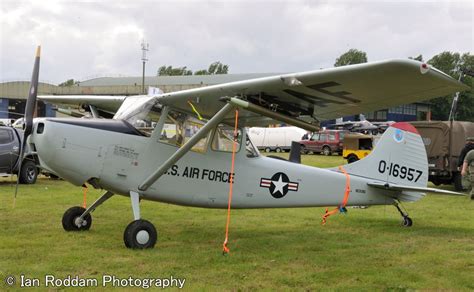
point(119, 162)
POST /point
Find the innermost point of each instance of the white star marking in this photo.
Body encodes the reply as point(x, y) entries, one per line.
point(279, 185)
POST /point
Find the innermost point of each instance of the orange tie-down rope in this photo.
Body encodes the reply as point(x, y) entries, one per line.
point(225, 248)
point(84, 201)
point(344, 201)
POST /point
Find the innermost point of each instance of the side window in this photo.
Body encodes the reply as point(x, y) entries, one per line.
point(224, 137)
point(5, 136)
point(341, 136)
point(332, 137)
point(315, 137)
point(179, 128)
point(323, 137)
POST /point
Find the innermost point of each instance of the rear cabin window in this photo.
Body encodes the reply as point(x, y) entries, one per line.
point(323, 137)
point(224, 137)
point(332, 137)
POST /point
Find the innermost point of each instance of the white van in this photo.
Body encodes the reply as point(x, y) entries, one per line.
point(275, 139)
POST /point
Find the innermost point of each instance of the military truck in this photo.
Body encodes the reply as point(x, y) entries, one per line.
point(444, 141)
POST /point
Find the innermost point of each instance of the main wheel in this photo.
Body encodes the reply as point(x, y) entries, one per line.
point(407, 222)
point(71, 220)
point(326, 150)
point(140, 234)
point(28, 172)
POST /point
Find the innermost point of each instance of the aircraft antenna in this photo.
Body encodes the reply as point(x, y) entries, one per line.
point(145, 49)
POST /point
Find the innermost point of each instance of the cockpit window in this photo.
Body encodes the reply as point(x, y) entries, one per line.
point(179, 128)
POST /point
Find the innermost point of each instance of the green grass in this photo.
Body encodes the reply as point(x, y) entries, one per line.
point(272, 249)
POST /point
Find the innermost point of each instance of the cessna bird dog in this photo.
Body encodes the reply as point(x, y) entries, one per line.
point(178, 147)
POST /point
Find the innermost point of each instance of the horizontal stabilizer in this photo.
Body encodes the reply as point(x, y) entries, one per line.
point(395, 187)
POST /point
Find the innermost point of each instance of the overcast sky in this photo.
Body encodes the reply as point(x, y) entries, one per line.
point(85, 39)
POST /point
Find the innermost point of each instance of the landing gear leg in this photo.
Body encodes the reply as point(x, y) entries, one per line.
point(78, 218)
point(140, 233)
point(407, 222)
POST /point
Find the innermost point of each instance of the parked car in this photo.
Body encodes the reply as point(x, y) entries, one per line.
point(326, 142)
point(358, 146)
point(275, 139)
point(10, 143)
point(443, 143)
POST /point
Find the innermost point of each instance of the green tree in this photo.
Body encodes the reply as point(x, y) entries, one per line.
point(69, 82)
point(172, 71)
point(214, 68)
point(353, 56)
point(448, 62)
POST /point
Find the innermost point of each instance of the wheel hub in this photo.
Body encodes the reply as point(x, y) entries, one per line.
point(143, 237)
point(80, 222)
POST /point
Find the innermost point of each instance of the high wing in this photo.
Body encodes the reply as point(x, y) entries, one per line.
point(324, 94)
point(105, 103)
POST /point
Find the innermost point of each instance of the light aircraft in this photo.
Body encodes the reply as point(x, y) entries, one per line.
point(190, 147)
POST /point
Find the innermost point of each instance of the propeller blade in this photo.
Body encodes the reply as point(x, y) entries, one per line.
point(29, 111)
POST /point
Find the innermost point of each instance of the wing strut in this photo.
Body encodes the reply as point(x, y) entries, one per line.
point(216, 119)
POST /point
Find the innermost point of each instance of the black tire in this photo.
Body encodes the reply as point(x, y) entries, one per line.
point(135, 239)
point(326, 151)
point(457, 182)
point(407, 222)
point(268, 150)
point(70, 216)
point(28, 172)
point(352, 158)
point(278, 150)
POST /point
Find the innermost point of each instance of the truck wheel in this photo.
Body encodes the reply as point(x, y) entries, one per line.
point(326, 151)
point(352, 158)
point(278, 150)
point(457, 181)
point(28, 172)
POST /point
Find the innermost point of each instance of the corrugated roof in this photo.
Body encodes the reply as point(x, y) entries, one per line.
point(173, 80)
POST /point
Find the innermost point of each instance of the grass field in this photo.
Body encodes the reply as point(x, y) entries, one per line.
point(282, 249)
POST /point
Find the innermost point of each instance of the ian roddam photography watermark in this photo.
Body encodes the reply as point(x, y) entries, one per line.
point(52, 281)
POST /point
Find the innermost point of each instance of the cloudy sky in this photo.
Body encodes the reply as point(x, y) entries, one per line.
point(86, 39)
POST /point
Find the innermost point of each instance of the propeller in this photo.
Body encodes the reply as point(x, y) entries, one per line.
point(29, 111)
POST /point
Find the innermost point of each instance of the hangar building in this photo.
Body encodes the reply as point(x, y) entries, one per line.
point(13, 94)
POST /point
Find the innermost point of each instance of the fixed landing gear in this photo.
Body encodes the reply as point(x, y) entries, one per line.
point(406, 222)
point(139, 234)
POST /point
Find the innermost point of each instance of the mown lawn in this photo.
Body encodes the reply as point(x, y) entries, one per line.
point(282, 249)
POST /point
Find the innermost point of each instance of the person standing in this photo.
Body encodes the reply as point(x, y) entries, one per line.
point(467, 173)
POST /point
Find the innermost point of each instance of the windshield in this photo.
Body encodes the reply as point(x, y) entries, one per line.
point(142, 112)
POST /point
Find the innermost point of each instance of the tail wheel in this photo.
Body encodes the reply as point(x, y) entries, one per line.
point(326, 151)
point(71, 219)
point(140, 234)
point(407, 222)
